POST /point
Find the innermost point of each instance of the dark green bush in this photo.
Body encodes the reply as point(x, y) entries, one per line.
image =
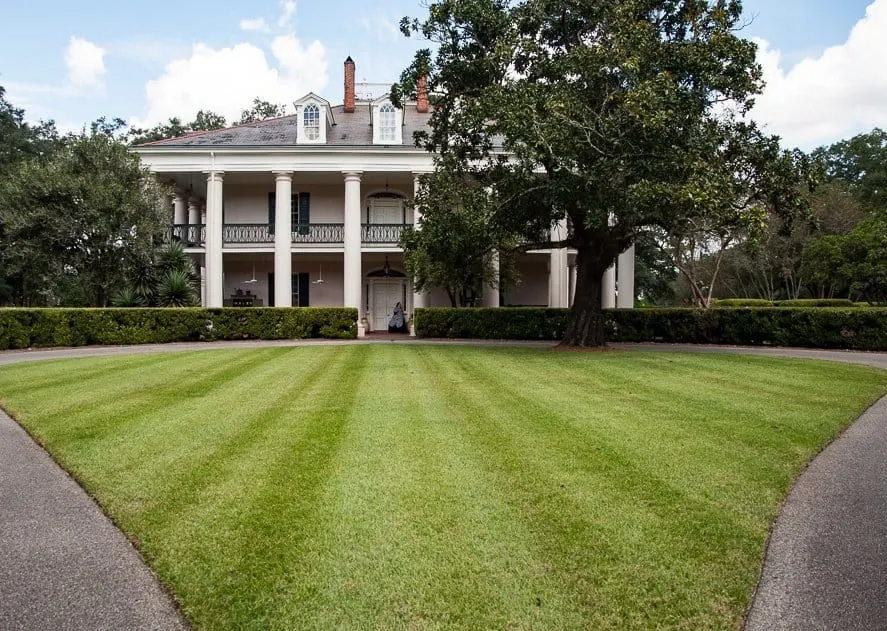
point(863, 329)
point(24, 328)
point(743, 302)
point(819, 302)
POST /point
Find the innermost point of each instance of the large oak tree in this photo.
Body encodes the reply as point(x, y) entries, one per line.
point(617, 117)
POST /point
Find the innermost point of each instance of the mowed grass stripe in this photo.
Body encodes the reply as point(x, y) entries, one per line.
point(409, 510)
point(414, 487)
point(253, 517)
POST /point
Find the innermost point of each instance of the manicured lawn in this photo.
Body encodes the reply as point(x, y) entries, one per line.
point(426, 487)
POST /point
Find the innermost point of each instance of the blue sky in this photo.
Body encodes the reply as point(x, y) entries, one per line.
point(145, 61)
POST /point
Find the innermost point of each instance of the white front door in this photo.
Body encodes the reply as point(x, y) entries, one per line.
point(386, 294)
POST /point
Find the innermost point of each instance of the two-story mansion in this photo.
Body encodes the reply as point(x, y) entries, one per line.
point(308, 209)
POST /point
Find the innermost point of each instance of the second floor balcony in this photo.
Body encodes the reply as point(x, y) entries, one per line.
point(306, 234)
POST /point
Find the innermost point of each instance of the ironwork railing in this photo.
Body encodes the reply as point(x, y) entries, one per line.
point(319, 233)
point(188, 235)
point(383, 232)
point(247, 233)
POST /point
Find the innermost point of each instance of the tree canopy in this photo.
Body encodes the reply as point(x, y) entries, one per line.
point(618, 117)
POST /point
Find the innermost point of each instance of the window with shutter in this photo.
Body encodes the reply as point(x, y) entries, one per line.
point(304, 213)
point(272, 211)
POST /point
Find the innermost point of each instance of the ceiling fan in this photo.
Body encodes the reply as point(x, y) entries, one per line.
point(319, 280)
point(253, 279)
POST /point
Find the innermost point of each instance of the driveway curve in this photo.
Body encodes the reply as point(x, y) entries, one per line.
point(65, 565)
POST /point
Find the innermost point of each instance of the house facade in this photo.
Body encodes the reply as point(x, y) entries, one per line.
point(308, 210)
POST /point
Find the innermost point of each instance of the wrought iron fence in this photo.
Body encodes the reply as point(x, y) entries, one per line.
point(188, 235)
point(319, 233)
point(248, 233)
point(383, 232)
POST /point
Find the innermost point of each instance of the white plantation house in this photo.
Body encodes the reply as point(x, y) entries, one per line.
point(308, 209)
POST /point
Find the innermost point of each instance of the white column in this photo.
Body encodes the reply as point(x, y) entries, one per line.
point(625, 270)
point(214, 264)
point(420, 298)
point(491, 294)
point(572, 284)
point(193, 211)
point(179, 212)
point(608, 288)
point(558, 273)
point(352, 258)
point(283, 240)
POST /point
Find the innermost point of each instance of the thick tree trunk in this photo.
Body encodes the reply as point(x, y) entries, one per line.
point(586, 323)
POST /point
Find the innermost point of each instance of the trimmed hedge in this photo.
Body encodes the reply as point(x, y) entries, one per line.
point(805, 302)
point(25, 328)
point(852, 328)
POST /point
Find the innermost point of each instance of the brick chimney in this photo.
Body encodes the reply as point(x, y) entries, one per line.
point(349, 85)
point(422, 94)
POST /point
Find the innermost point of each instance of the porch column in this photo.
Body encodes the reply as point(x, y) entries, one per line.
point(179, 212)
point(625, 271)
point(214, 265)
point(352, 256)
point(558, 274)
point(420, 298)
point(283, 240)
point(608, 288)
point(491, 294)
point(192, 236)
point(572, 284)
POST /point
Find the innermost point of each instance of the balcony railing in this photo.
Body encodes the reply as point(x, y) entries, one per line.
point(315, 233)
point(188, 235)
point(247, 233)
point(383, 232)
point(319, 233)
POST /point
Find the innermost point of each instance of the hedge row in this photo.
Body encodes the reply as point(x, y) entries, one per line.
point(24, 328)
point(863, 329)
point(803, 302)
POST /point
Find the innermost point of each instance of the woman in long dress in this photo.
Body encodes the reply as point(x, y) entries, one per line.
point(397, 324)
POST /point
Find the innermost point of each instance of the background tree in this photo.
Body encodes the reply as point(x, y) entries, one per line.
point(205, 120)
point(76, 220)
point(454, 249)
point(261, 110)
point(609, 115)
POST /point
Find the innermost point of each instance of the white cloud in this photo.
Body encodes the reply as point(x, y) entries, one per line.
point(287, 12)
point(255, 24)
point(228, 79)
point(85, 62)
point(823, 99)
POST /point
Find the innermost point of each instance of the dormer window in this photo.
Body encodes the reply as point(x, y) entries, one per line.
point(387, 121)
point(314, 118)
point(311, 122)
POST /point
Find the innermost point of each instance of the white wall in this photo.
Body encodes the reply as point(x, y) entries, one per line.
point(532, 290)
point(248, 203)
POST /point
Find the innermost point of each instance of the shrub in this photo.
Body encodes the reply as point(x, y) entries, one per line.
point(23, 328)
point(819, 302)
point(743, 302)
point(863, 329)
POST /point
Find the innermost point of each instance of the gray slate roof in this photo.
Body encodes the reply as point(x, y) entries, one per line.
point(351, 129)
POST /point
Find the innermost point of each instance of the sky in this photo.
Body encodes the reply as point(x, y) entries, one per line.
point(824, 61)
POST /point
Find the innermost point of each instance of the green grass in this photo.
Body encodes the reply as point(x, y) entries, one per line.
point(429, 487)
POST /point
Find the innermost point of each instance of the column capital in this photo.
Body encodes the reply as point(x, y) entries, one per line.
point(215, 175)
point(352, 176)
point(286, 176)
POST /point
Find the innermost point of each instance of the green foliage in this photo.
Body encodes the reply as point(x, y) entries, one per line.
point(128, 296)
point(861, 164)
point(261, 110)
point(603, 115)
point(205, 120)
point(743, 302)
point(84, 214)
point(24, 328)
point(175, 288)
point(854, 328)
point(819, 302)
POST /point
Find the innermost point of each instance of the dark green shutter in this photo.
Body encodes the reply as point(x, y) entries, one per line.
point(271, 289)
point(304, 212)
point(272, 211)
point(303, 289)
point(294, 211)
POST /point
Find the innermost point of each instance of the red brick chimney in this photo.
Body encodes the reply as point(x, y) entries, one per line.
point(349, 85)
point(422, 94)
